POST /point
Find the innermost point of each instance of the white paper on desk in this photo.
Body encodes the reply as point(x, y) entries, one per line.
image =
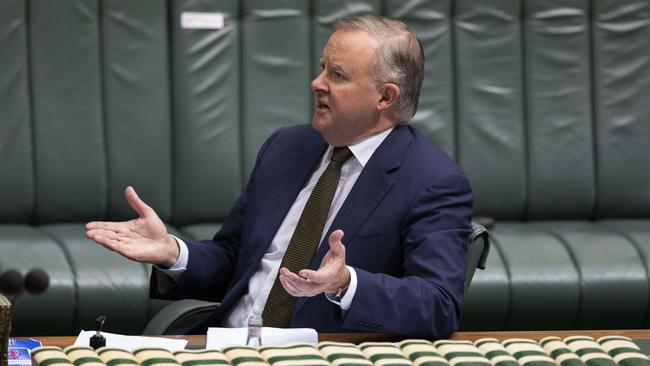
point(222, 337)
point(129, 343)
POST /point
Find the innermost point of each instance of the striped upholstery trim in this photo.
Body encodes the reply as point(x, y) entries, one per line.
point(38, 350)
point(634, 361)
point(560, 351)
point(469, 361)
point(618, 346)
point(567, 356)
point(555, 347)
point(244, 356)
point(596, 355)
point(384, 354)
point(481, 341)
point(521, 349)
point(295, 354)
point(624, 351)
point(121, 361)
point(54, 361)
point(495, 352)
point(200, 357)
point(550, 351)
point(573, 339)
point(536, 360)
point(618, 351)
point(491, 348)
point(605, 339)
point(343, 354)
point(545, 340)
point(83, 355)
point(445, 342)
point(597, 359)
point(630, 356)
point(116, 357)
point(584, 346)
point(87, 361)
point(154, 357)
point(618, 343)
point(504, 360)
point(422, 353)
point(451, 351)
point(48, 356)
point(431, 361)
point(409, 342)
point(517, 340)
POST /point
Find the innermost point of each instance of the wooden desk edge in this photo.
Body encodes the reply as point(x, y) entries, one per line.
point(199, 340)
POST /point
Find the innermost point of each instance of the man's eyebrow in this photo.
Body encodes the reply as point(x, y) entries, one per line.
point(336, 67)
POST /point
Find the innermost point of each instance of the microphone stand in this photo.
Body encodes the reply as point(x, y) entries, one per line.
point(5, 329)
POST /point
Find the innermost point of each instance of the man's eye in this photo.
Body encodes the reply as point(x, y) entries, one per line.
point(338, 75)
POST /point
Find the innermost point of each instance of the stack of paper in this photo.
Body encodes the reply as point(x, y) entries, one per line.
point(129, 343)
point(221, 337)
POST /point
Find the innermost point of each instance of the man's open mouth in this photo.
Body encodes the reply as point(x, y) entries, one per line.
point(322, 105)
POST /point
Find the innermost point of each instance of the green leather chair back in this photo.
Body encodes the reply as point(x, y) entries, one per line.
point(543, 103)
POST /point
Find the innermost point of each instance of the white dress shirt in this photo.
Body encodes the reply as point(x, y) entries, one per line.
point(262, 280)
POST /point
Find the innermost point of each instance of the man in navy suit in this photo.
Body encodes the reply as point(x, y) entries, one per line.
point(392, 254)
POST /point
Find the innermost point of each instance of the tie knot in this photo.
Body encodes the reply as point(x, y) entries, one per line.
point(341, 154)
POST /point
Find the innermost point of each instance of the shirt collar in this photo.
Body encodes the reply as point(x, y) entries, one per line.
point(364, 149)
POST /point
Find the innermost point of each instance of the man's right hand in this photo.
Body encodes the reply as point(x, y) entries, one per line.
point(144, 239)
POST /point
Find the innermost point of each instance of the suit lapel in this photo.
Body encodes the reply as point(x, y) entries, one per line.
point(369, 190)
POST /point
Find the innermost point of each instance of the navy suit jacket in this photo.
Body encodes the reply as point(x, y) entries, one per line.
point(406, 224)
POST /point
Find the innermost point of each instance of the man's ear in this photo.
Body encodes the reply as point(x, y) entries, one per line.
point(389, 96)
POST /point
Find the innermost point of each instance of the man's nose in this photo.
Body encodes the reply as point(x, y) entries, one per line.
point(319, 84)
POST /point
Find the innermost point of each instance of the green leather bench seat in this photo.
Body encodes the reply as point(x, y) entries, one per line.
point(563, 275)
point(544, 104)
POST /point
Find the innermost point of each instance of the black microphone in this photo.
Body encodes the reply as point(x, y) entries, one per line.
point(36, 281)
point(12, 285)
point(11, 282)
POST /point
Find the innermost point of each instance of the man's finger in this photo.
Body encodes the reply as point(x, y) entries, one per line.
point(336, 245)
point(304, 287)
point(136, 203)
point(289, 286)
point(106, 225)
point(324, 275)
point(92, 234)
point(307, 274)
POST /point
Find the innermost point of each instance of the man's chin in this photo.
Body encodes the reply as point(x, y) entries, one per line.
point(319, 123)
point(321, 126)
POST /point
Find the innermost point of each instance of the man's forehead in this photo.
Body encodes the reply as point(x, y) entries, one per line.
point(343, 41)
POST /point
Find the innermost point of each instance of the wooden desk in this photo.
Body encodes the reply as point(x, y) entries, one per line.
point(197, 341)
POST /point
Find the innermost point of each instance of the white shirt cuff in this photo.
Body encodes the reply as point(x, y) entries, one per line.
point(346, 300)
point(174, 272)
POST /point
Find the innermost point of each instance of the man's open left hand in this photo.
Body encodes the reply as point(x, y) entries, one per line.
point(330, 276)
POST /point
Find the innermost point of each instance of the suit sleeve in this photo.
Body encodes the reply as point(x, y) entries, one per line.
point(211, 263)
point(426, 301)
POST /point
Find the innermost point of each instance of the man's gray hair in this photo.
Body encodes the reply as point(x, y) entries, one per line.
point(400, 58)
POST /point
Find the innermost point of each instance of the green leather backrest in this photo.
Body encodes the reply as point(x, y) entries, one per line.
point(544, 103)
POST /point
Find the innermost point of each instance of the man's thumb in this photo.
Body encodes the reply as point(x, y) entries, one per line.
point(135, 202)
point(336, 245)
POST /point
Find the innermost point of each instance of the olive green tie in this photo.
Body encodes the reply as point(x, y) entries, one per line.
point(305, 239)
